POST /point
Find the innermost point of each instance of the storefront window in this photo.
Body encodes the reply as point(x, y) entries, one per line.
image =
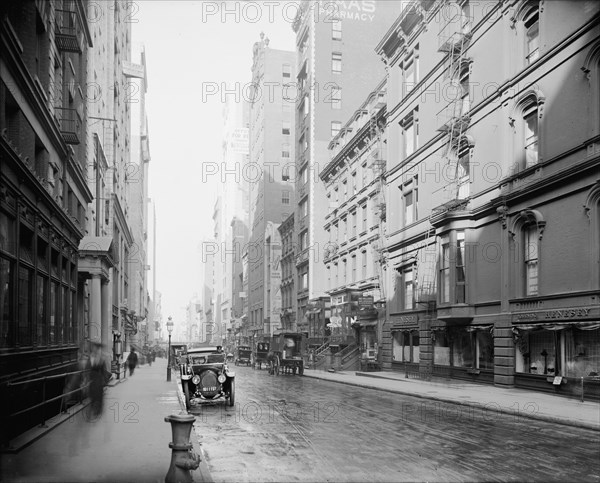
point(53, 313)
point(406, 346)
point(6, 305)
point(485, 349)
point(582, 352)
point(441, 348)
point(536, 352)
point(41, 310)
point(462, 349)
point(566, 351)
point(466, 346)
point(25, 304)
point(416, 354)
point(397, 339)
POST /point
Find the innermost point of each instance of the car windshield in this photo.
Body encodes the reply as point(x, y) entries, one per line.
point(207, 358)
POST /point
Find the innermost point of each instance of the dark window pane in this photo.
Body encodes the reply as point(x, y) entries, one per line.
point(41, 310)
point(6, 304)
point(25, 304)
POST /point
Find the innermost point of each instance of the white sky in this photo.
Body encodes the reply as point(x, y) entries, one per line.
point(188, 45)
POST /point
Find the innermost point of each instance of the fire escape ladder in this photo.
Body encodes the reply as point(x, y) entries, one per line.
point(378, 165)
point(454, 37)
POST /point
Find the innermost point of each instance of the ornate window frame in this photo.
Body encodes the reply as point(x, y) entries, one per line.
point(591, 69)
point(526, 101)
point(592, 211)
point(524, 220)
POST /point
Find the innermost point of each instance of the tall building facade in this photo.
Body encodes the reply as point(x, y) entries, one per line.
point(493, 193)
point(271, 178)
point(288, 274)
point(137, 195)
point(44, 196)
point(230, 216)
point(355, 225)
point(336, 69)
point(112, 254)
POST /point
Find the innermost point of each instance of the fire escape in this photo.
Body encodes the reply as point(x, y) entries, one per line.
point(454, 119)
point(378, 165)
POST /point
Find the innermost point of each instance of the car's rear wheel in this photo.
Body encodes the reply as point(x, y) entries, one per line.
point(186, 393)
point(232, 393)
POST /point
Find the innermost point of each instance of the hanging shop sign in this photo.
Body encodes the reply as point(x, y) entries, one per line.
point(366, 301)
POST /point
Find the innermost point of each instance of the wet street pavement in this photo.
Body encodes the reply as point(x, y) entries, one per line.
point(292, 428)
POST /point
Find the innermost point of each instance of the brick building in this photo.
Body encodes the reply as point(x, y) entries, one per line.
point(493, 192)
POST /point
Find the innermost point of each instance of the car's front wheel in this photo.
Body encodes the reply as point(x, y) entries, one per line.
point(232, 393)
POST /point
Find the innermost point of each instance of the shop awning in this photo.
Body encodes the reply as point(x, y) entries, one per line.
point(365, 323)
point(475, 328)
point(313, 311)
point(590, 325)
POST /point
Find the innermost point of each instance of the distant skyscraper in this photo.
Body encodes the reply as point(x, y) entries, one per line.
point(271, 179)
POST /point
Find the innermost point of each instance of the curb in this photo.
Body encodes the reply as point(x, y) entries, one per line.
point(202, 474)
point(494, 407)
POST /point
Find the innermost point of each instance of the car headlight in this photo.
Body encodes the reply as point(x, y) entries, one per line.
point(196, 380)
point(222, 378)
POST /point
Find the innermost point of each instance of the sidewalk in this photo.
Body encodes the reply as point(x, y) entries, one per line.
point(130, 443)
point(515, 402)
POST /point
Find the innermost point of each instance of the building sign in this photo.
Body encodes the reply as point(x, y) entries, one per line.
point(239, 140)
point(405, 321)
point(548, 315)
point(133, 70)
point(361, 10)
point(366, 301)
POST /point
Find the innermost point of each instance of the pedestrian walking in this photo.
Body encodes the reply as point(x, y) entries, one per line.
point(132, 360)
point(98, 376)
point(149, 357)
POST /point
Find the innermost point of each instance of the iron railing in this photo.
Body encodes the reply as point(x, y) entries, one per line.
point(69, 122)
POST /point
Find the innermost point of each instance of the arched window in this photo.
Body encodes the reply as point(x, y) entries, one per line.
point(591, 69)
point(531, 24)
point(527, 230)
point(592, 210)
point(526, 21)
point(461, 156)
point(526, 124)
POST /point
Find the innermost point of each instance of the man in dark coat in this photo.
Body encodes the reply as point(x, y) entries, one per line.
point(97, 380)
point(132, 360)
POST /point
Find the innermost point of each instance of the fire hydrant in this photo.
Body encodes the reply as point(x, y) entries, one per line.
point(183, 459)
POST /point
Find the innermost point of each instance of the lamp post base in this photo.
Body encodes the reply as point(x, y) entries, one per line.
point(169, 374)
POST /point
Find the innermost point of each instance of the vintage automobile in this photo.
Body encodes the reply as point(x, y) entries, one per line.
point(244, 355)
point(206, 376)
point(260, 355)
point(286, 354)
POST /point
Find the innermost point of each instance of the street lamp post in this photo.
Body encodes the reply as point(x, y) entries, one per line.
point(169, 329)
